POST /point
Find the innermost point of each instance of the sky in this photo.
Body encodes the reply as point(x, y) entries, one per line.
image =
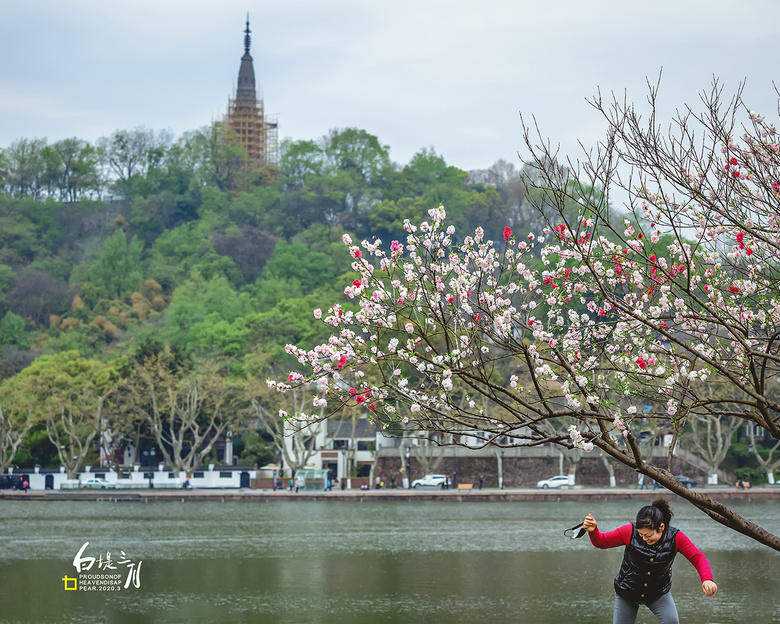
point(453, 75)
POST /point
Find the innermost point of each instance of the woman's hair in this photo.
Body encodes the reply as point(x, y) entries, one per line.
point(652, 516)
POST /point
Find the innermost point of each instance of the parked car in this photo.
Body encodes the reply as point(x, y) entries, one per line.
point(431, 480)
point(98, 483)
point(686, 481)
point(553, 482)
point(8, 482)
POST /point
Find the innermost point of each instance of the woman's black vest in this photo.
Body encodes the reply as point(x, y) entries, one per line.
point(646, 572)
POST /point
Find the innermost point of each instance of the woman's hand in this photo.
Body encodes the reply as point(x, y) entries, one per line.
point(590, 525)
point(709, 588)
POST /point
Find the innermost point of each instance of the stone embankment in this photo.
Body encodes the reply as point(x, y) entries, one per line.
point(397, 495)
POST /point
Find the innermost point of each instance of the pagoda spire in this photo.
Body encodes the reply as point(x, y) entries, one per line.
point(246, 91)
point(247, 38)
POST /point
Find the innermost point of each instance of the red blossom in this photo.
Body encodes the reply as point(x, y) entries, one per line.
point(357, 253)
point(641, 363)
point(749, 251)
point(357, 283)
point(733, 161)
point(734, 289)
point(740, 236)
point(507, 233)
point(372, 407)
point(359, 399)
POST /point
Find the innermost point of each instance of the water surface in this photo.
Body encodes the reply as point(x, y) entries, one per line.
point(360, 563)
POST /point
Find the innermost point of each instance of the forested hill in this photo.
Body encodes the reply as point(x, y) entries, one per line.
point(142, 239)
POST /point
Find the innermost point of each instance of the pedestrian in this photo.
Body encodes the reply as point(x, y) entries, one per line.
point(296, 485)
point(642, 484)
point(343, 483)
point(291, 485)
point(328, 487)
point(480, 482)
point(645, 576)
point(25, 485)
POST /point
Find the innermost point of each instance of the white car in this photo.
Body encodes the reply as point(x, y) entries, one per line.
point(98, 483)
point(431, 480)
point(553, 482)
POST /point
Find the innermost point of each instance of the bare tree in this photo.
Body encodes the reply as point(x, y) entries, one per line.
point(302, 436)
point(14, 425)
point(188, 411)
point(72, 425)
point(769, 463)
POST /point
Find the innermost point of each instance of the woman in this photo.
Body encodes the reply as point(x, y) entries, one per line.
point(645, 576)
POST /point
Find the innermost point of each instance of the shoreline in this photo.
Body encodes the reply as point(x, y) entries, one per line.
point(397, 495)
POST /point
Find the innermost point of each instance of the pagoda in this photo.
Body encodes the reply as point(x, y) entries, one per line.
point(256, 133)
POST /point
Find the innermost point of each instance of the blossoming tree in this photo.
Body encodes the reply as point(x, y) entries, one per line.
point(590, 318)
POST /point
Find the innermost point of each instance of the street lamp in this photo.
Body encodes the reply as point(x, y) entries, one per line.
point(149, 457)
point(344, 468)
point(503, 450)
point(408, 465)
point(455, 469)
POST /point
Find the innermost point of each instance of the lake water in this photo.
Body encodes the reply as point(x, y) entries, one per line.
point(359, 563)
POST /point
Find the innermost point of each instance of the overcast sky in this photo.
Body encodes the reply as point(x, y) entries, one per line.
point(449, 74)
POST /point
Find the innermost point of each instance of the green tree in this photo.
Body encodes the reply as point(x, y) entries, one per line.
point(24, 168)
point(118, 271)
point(68, 392)
point(12, 331)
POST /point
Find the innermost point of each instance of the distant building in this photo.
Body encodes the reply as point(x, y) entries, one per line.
point(246, 117)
